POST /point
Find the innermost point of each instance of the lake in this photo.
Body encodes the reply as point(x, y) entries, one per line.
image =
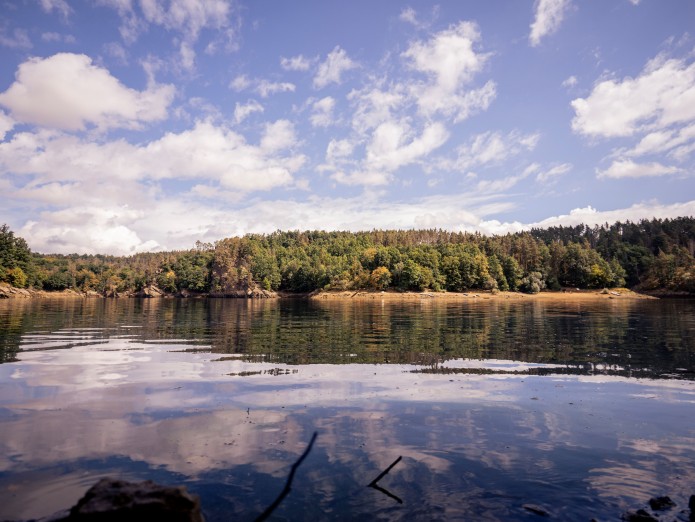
point(582, 409)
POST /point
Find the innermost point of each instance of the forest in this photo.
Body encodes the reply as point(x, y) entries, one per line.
point(650, 256)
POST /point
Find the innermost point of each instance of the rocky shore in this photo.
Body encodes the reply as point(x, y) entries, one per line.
point(152, 291)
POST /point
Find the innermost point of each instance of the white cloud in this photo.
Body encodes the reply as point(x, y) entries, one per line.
point(635, 2)
point(677, 143)
point(451, 61)
point(188, 16)
point(61, 6)
point(67, 91)
point(338, 156)
point(278, 136)
point(662, 95)
point(548, 17)
point(390, 150)
point(6, 125)
point(117, 51)
point(296, 63)
point(206, 152)
point(266, 88)
point(409, 15)
point(499, 185)
point(331, 70)
point(92, 230)
point(591, 216)
point(570, 82)
point(241, 112)
point(57, 37)
point(19, 39)
point(365, 178)
point(553, 173)
point(187, 56)
point(629, 169)
point(374, 106)
point(493, 148)
point(240, 83)
point(322, 112)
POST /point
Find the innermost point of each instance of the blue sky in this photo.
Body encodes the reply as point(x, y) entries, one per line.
point(136, 125)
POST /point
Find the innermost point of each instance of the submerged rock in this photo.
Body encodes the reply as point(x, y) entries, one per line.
point(112, 500)
point(533, 508)
point(638, 516)
point(661, 503)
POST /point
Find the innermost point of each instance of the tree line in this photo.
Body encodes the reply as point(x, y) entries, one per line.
point(648, 255)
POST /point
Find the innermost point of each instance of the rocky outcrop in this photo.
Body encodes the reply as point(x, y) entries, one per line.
point(149, 291)
point(7, 291)
point(112, 500)
point(250, 293)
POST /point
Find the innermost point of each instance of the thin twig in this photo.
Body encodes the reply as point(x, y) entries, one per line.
point(373, 483)
point(381, 475)
point(288, 485)
point(387, 493)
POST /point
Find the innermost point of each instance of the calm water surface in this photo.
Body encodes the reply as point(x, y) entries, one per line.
point(583, 409)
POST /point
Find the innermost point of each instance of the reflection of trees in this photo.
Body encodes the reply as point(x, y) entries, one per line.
point(625, 336)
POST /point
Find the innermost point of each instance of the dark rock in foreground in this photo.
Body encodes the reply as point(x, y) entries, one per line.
point(112, 500)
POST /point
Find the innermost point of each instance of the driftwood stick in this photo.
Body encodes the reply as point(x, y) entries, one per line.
point(387, 493)
point(383, 473)
point(288, 485)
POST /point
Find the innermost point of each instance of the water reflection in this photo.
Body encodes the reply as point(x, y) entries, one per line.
point(643, 338)
point(508, 406)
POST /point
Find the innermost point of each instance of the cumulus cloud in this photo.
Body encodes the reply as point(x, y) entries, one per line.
point(390, 149)
point(332, 68)
point(644, 210)
point(374, 105)
point(656, 109)
point(67, 91)
point(662, 95)
point(205, 152)
point(322, 112)
point(450, 60)
point(547, 19)
point(629, 169)
point(241, 112)
point(338, 150)
point(6, 125)
point(296, 63)
point(90, 230)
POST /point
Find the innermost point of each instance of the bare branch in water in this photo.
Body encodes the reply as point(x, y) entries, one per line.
point(288, 485)
point(373, 483)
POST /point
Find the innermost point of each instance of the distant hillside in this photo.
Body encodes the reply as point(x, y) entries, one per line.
point(652, 255)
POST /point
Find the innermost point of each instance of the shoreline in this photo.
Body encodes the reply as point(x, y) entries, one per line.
point(567, 295)
point(9, 292)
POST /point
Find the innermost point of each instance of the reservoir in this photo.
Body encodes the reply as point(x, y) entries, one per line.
point(497, 407)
